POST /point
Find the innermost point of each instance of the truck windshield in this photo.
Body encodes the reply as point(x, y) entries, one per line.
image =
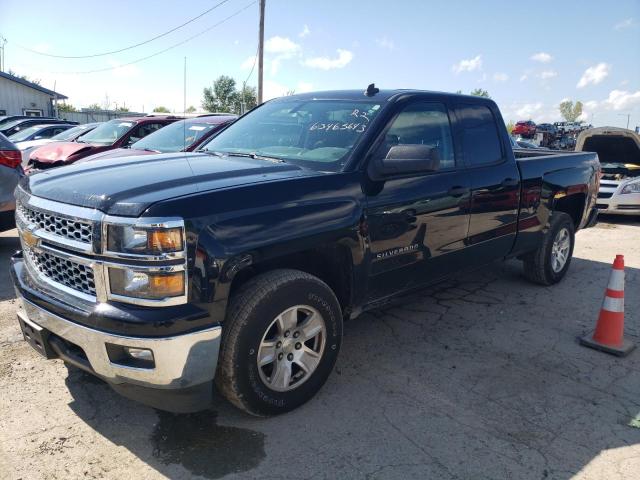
point(107, 133)
point(175, 137)
point(318, 134)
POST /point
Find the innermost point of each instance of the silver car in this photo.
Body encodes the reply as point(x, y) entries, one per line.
point(10, 174)
point(619, 152)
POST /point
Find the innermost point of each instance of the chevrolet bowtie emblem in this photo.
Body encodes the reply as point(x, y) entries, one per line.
point(29, 238)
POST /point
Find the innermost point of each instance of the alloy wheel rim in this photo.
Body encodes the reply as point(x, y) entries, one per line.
point(291, 348)
point(560, 250)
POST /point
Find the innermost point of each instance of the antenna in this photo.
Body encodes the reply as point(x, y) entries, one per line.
point(184, 109)
point(371, 90)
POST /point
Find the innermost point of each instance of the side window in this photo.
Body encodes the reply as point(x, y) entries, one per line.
point(147, 128)
point(422, 123)
point(480, 140)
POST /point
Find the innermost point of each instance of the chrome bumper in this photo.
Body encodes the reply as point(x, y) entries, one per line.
point(180, 362)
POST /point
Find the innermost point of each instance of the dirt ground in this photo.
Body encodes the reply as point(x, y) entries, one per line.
point(479, 378)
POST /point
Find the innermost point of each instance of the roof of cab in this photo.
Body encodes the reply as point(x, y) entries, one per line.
point(380, 96)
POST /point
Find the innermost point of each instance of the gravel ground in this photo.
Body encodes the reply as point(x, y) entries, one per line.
point(478, 378)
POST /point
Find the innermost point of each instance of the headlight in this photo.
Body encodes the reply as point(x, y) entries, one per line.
point(134, 239)
point(633, 187)
point(146, 285)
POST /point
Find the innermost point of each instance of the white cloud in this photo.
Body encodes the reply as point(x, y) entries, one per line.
point(468, 65)
point(594, 75)
point(274, 89)
point(523, 77)
point(305, 31)
point(547, 74)
point(541, 57)
point(386, 43)
point(248, 63)
point(500, 77)
point(281, 45)
point(622, 100)
point(528, 110)
point(626, 23)
point(326, 63)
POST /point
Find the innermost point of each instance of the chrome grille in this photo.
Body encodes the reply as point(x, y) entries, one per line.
point(71, 229)
point(74, 275)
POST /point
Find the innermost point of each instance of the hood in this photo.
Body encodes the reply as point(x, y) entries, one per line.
point(61, 151)
point(32, 143)
point(617, 147)
point(115, 153)
point(128, 186)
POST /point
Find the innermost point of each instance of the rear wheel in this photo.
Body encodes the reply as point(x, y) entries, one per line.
point(280, 342)
point(549, 263)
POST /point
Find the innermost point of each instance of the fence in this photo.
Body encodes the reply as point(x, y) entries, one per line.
point(90, 116)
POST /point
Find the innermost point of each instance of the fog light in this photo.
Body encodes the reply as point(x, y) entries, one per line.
point(139, 353)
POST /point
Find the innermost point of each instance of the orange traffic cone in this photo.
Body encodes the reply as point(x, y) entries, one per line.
point(609, 333)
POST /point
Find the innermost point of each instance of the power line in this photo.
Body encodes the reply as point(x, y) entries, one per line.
point(237, 12)
point(131, 46)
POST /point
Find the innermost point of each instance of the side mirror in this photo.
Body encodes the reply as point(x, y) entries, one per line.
point(405, 159)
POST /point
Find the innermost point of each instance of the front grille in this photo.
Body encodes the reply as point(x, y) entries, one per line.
point(71, 229)
point(605, 194)
point(628, 207)
point(65, 272)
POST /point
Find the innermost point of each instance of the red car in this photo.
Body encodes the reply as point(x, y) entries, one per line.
point(183, 136)
point(117, 133)
point(524, 128)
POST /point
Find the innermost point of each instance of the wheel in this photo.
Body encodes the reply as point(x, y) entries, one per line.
point(280, 341)
point(549, 263)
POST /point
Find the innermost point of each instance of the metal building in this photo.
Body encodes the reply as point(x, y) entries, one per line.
point(21, 97)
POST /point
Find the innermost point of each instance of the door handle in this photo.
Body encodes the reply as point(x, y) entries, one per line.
point(510, 182)
point(458, 191)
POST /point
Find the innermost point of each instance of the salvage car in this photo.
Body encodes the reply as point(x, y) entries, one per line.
point(10, 174)
point(70, 135)
point(182, 136)
point(238, 264)
point(619, 152)
point(14, 126)
point(524, 128)
point(37, 132)
point(117, 133)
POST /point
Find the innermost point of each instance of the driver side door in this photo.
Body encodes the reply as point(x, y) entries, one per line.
point(417, 223)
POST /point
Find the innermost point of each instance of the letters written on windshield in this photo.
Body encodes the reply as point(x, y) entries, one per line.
point(320, 133)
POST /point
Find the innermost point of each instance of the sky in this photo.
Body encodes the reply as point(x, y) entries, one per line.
point(528, 56)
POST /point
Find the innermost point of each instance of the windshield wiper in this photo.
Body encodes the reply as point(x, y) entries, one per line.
point(242, 154)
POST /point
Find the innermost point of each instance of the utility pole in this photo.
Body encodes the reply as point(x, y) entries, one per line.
point(261, 52)
point(3, 42)
point(628, 115)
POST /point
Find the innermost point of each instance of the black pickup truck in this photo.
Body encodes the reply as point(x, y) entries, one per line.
point(237, 264)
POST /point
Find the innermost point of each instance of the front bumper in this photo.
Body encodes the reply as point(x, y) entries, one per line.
point(184, 364)
point(179, 362)
point(611, 201)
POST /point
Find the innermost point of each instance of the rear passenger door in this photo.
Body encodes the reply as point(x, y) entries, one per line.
point(495, 182)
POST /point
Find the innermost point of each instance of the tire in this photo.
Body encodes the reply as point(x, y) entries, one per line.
point(539, 265)
point(256, 317)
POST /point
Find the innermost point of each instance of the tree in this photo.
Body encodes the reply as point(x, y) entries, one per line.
point(191, 109)
point(161, 109)
point(569, 111)
point(224, 97)
point(479, 92)
point(66, 107)
point(37, 81)
point(248, 96)
point(510, 126)
point(94, 106)
point(122, 109)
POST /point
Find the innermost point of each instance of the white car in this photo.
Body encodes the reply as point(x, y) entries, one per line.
point(69, 135)
point(619, 152)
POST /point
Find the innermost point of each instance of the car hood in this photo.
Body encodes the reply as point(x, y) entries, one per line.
point(130, 185)
point(61, 151)
point(116, 153)
point(32, 143)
